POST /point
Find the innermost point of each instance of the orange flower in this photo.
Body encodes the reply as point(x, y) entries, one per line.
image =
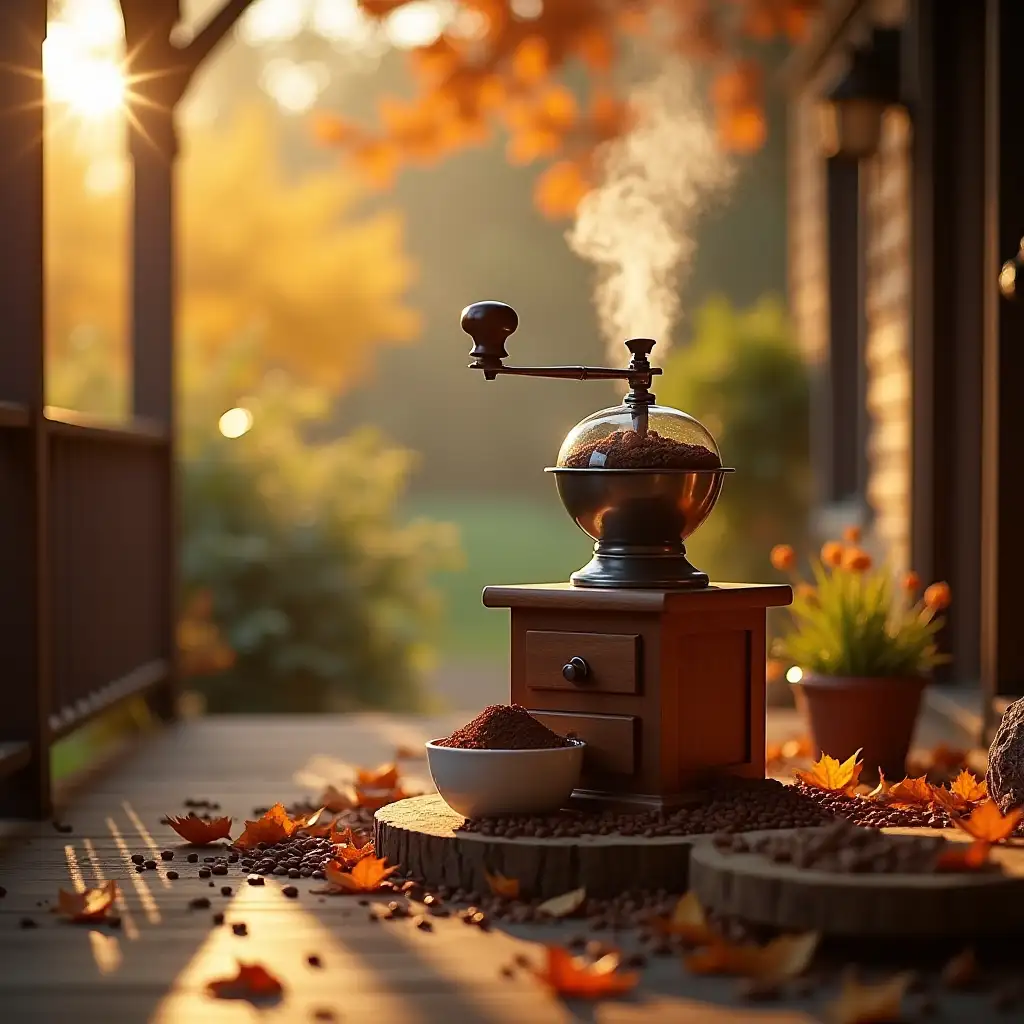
point(773, 670)
point(852, 535)
point(832, 553)
point(856, 560)
point(783, 557)
point(938, 596)
point(807, 592)
point(911, 582)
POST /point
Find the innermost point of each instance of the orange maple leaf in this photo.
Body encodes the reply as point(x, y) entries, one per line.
point(866, 1004)
point(782, 958)
point(375, 799)
point(565, 905)
point(89, 905)
point(988, 823)
point(830, 775)
point(576, 978)
point(366, 876)
point(253, 981)
point(506, 888)
point(964, 856)
point(968, 788)
point(911, 793)
point(337, 800)
point(198, 831)
point(688, 921)
point(383, 777)
point(274, 826)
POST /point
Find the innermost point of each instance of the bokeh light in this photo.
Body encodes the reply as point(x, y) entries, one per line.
point(235, 422)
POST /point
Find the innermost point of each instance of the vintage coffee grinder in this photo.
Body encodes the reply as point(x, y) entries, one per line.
point(659, 671)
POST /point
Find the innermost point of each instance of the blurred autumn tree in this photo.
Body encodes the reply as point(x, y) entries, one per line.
point(289, 256)
point(497, 62)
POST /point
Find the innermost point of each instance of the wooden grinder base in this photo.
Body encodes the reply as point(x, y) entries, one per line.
point(421, 835)
point(760, 891)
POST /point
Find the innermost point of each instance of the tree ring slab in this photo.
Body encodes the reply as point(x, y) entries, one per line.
point(422, 835)
point(752, 888)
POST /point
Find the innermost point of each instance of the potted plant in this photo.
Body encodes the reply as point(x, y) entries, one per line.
point(862, 645)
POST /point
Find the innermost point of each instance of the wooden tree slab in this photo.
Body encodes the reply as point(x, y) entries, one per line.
point(422, 835)
point(758, 890)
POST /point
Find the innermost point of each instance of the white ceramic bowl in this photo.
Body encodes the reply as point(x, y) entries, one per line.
point(488, 783)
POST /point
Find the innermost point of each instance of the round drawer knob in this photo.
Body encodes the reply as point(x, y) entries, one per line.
point(575, 670)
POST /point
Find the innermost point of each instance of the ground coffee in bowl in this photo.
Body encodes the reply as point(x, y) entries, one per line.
point(627, 449)
point(504, 727)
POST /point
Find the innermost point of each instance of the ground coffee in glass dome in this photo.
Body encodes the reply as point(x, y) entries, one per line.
point(628, 449)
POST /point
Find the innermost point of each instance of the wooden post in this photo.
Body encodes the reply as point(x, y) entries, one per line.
point(1002, 597)
point(24, 577)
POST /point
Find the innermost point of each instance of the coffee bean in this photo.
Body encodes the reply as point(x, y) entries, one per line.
point(232, 856)
point(151, 865)
point(290, 891)
point(220, 869)
point(137, 858)
point(424, 925)
point(199, 903)
point(209, 860)
point(314, 961)
point(240, 928)
point(255, 880)
point(113, 921)
point(3, 892)
point(218, 918)
point(172, 875)
point(62, 827)
point(204, 872)
point(140, 868)
point(27, 922)
point(167, 855)
point(192, 858)
point(225, 890)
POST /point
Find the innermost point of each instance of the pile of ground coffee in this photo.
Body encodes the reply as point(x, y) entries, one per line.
point(846, 848)
point(627, 449)
point(730, 806)
point(504, 727)
point(872, 814)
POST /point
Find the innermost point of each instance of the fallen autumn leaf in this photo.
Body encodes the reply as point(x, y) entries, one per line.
point(869, 1004)
point(506, 888)
point(564, 905)
point(988, 823)
point(576, 978)
point(91, 905)
point(831, 775)
point(383, 777)
point(198, 831)
point(274, 826)
point(366, 876)
point(688, 922)
point(781, 959)
point(253, 982)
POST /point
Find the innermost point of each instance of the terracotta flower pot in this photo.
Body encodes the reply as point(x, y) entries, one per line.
point(877, 715)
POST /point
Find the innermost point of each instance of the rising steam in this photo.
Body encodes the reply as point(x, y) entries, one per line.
point(638, 225)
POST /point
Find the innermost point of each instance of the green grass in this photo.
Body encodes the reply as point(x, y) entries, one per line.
point(503, 541)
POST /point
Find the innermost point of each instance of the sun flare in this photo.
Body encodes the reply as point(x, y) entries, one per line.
point(82, 72)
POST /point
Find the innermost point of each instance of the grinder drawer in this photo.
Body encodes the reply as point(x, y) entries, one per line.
point(611, 739)
point(582, 662)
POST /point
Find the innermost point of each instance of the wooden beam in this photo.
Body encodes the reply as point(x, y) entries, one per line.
point(216, 28)
point(1002, 596)
point(25, 634)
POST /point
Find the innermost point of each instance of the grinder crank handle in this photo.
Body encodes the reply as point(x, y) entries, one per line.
point(489, 324)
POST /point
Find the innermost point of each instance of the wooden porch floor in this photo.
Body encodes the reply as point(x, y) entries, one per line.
point(155, 967)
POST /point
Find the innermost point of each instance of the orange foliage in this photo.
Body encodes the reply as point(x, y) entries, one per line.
point(506, 888)
point(89, 906)
point(367, 875)
point(198, 831)
point(252, 981)
point(274, 826)
point(576, 978)
point(506, 70)
point(830, 775)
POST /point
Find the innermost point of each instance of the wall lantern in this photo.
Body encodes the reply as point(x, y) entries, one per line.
point(851, 113)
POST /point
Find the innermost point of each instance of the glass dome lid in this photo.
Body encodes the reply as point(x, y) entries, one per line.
point(649, 437)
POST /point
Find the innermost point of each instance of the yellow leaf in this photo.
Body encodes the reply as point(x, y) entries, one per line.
point(869, 1004)
point(564, 905)
point(968, 788)
point(506, 888)
point(688, 921)
point(782, 958)
point(90, 905)
point(830, 775)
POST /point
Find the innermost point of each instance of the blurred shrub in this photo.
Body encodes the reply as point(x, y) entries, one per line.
point(744, 378)
point(303, 590)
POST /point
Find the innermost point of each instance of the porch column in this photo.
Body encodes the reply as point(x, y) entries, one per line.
point(25, 567)
point(1002, 562)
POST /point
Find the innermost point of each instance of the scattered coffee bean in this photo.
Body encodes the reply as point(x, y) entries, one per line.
point(290, 891)
point(218, 918)
point(240, 928)
point(199, 903)
point(255, 880)
point(113, 921)
point(232, 857)
point(193, 857)
point(172, 875)
point(140, 868)
point(151, 865)
point(209, 860)
point(225, 890)
point(204, 872)
point(314, 961)
point(425, 925)
point(63, 827)
point(220, 869)
point(507, 972)
point(167, 855)
point(137, 858)
point(27, 922)
point(3, 892)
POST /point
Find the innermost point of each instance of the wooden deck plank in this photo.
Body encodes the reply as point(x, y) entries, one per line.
point(155, 967)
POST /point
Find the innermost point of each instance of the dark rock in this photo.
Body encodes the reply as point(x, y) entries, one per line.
point(1006, 759)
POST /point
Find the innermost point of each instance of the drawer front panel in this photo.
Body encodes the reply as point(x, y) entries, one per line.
point(582, 662)
point(611, 740)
